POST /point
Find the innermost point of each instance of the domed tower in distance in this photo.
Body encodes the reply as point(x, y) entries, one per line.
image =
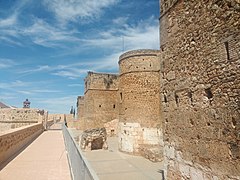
point(26, 104)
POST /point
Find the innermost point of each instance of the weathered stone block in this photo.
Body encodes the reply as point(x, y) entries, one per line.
point(152, 152)
point(94, 139)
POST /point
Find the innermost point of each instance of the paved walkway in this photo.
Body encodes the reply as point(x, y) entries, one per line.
point(113, 165)
point(44, 159)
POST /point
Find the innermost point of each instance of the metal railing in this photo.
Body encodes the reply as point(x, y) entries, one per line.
point(80, 169)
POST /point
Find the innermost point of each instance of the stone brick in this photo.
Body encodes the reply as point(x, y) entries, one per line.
point(100, 100)
point(200, 95)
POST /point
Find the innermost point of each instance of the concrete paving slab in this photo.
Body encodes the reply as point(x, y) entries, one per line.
point(43, 159)
point(112, 164)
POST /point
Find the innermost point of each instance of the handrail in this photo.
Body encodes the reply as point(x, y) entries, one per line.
point(79, 166)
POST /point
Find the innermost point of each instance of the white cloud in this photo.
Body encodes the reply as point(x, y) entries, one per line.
point(12, 85)
point(47, 35)
point(38, 69)
point(7, 95)
point(9, 26)
point(6, 63)
point(36, 91)
point(120, 21)
point(144, 35)
point(9, 21)
point(58, 104)
point(74, 10)
point(75, 85)
point(71, 73)
point(24, 92)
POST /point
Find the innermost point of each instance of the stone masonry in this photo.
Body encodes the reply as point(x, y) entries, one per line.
point(13, 140)
point(94, 139)
point(100, 100)
point(184, 98)
point(139, 101)
point(11, 118)
point(80, 111)
point(200, 88)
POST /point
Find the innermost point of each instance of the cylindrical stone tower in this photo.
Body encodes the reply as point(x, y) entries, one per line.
point(140, 125)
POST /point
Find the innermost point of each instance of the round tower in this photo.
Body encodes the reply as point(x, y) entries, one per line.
point(139, 100)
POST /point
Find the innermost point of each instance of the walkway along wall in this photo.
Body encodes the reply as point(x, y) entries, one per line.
point(139, 122)
point(14, 140)
point(200, 88)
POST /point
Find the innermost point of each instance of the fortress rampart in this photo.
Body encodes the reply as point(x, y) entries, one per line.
point(185, 97)
point(200, 88)
point(17, 117)
point(80, 107)
point(80, 111)
point(100, 99)
point(139, 122)
point(14, 140)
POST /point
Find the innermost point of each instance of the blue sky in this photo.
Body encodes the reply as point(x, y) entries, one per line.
point(48, 46)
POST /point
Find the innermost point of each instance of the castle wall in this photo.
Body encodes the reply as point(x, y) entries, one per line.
point(200, 88)
point(80, 111)
point(18, 117)
point(14, 140)
point(80, 107)
point(100, 99)
point(139, 122)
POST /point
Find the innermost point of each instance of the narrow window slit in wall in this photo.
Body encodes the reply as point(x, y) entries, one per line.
point(234, 122)
point(209, 93)
point(191, 122)
point(177, 99)
point(100, 105)
point(227, 50)
point(165, 98)
point(120, 96)
point(114, 106)
point(189, 94)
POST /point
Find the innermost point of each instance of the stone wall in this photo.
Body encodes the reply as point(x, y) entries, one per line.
point(18, 117)
point(80, 107)
point(60, 117)
point(139, 100)
point(56, 117)
point(12, 141)
point(100, 100)
point(112, 127)
point(200, 88)
point(80, 111)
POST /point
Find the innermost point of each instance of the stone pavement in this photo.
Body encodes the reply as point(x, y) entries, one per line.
point(44, 159)
point(111, 164)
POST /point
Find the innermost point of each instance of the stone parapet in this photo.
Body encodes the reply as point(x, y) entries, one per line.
point(143, 60)
point(101, 81)
point(14, 140)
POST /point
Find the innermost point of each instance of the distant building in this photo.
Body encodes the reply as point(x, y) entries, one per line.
point(2, 105)
point(26, 104)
